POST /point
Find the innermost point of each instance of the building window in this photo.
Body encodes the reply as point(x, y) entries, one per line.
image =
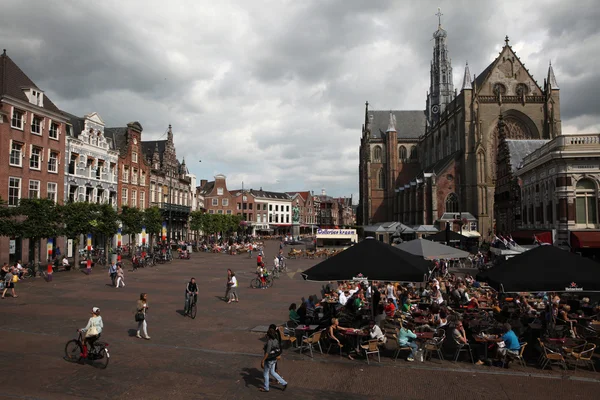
point(17, 119)
point(215, 202)
point(225, 202)
point(219, 191)
point(53, 162)
point(380, 179)
point(125, 176)
point(54, 130)
point(143, 179)
point(287, 208)
point(228, 212)
point(134, 176)
point(36, 125)
point(133, 198)
point(142, 200)
point(134, 157)
point(34, 160)
point(14, 191)
point(89, 194)
point(480, 167)
point(499, 89)
point(377, 154)
point(52, 191)
point(34, 189)
point(16, 155)
point(219, 211)
point(586, 202)
point(414, 153)
point(270, 207)
point(276, 207)
point(402, 153)
point(452, 203)
point(124, 196)
point(522, 89)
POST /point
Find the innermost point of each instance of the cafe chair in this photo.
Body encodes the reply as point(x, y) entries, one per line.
point(583, 354)
point(550, 357)
point(397, 349)
point(308, 342)
point(286, 338)
point(463, 347)
point(371, 347)
point(290, 327)
point(434, 346)
point(510, 357)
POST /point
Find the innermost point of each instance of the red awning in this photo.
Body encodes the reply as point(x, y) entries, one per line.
point(526, 236)
point(585, 239)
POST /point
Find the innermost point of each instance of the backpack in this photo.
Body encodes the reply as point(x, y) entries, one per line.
point(275, 351)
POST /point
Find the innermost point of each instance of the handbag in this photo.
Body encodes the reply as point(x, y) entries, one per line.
point(139, 316)
point(15, 278)
point(93, 331)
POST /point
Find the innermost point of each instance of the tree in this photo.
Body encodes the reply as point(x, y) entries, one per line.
point(132, 219)
point(39, 219)
point(7, 222)
point(153, 221)
point(105, 223)
point(76, 222)
point(198, 222)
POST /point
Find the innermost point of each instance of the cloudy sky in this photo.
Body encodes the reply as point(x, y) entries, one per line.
point(272, 93)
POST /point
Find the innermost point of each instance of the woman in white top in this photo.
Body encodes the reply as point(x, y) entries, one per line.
point(390, 291)
point(233, 285)
point(93, 329)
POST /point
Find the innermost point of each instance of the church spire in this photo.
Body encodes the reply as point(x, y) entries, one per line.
point(391, 123)
point(467, 78)
point(170, 134)
point(441, 88)
point(551, 78)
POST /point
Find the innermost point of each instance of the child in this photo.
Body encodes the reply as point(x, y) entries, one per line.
point(120, 276)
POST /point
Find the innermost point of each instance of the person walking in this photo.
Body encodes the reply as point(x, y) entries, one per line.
point(120, 276)
point(272, 352)
point(9, 282)
point(228, 285)
point(140, 316)
point(233, 285)
point(112, 272)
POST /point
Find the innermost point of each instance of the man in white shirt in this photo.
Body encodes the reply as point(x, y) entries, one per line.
point(343, 298)
point(276, 262)
point(375, 332)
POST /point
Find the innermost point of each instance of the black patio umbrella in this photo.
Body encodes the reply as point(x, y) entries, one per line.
point(373, 259)
point(544, 269)
point(447, 236)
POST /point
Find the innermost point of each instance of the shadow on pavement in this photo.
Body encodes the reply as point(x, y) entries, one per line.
point(132, 332)
point(252, 377)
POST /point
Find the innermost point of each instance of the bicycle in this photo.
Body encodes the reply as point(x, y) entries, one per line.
point(256, 283)
point(76, 348)
point(190, 308)
point(275, 272)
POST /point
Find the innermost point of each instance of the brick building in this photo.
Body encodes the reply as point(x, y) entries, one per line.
point(217, 198)
point(32, 140)
point(308, 211)
point(134, 168)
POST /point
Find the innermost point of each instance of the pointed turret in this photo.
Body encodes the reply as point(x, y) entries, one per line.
point(391, 123)
point(170, 134)
point(467, 78)
point(551, 78)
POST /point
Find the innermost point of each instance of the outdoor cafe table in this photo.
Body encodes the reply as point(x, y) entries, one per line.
point(357, 334)
point(421, 320)
point(486, 341)
point(306, 328)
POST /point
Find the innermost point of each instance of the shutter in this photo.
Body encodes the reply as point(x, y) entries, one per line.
point(30, 152)
point(10, 148)
point(41, 157)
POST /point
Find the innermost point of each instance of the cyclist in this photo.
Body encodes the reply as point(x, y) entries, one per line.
point(261, 271)
point(191, 289)
point(281, 258)
point(92, 330)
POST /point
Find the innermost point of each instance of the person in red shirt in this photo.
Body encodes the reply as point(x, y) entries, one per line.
point(259, 260)
point(390, 309)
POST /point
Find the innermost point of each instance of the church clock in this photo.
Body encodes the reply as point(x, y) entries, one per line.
point(435, 109)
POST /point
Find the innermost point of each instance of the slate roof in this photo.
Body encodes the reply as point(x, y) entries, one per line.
point(305, 195)
point(270, 195)
point(518, 149)
point(207, 188)
point(13, 80)
point(149, 146)
point(76, 122)
point(119, 138)
point(440, 164)
point(409, 124)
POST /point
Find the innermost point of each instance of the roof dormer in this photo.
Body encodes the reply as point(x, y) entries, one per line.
point(35, 96)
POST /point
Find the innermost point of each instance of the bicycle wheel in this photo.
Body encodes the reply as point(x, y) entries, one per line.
point(255, 283)
point(102, 358)
point(269, 281)
point(193, 310)
point(73, 351)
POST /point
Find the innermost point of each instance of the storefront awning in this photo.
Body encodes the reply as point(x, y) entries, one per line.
point(527, 236)
point(471, 234)
point(585, 239)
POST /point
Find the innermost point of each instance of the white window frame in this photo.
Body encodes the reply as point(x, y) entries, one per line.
point(39, 157)
point(133, 198)
point(215, 202)
point(50, 163)
point(124, 196)
point(134, 157)
point(225, 202)
point(52, 191)
point(40, 126)
point(134, 176)
point(12, 179)
point(142, 200)
point(18, 157)
point(219, 191)
point(22, 119)
point(143, 178)
point(56, 131)
point(37, 191)
point(125, 174)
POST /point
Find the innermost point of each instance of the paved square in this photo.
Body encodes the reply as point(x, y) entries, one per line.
point(216, 356)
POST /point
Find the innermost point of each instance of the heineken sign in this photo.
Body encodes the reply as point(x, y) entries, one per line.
point(336, 232)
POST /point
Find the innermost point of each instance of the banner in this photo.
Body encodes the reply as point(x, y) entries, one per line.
point(119, 237)
point(164, 230)
point(89, 242)
point(49, 247)
point(143, 235)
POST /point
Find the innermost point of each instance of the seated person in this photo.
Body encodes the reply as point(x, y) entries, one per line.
point(390, 308)
point(442, 320)
point(293, 314)
point(343, 297)
point(302, 313)
point(511, 343)
point(336, 333)
point(376, 333)
point(563, 315)
point(406, 338)
point(458, 334)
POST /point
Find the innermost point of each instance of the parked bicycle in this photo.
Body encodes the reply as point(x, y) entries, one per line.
point(98, 354)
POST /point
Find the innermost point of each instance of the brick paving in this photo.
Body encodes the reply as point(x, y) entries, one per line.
point(216, 356)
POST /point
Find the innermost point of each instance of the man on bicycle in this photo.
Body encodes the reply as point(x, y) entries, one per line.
point(191, 289)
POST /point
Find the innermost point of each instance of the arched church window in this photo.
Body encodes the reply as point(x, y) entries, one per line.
point(452, 203)
point(499, 89)
point(377, 154)
point(586, 202)
point(522, 89)
point(414, 155)
point(402, 153)
point(480, 167)
point(381, 179)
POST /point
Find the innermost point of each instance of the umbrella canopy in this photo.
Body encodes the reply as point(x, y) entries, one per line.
point(373, 259)
point(447, 236)
point(545, 269)
point(431, 250)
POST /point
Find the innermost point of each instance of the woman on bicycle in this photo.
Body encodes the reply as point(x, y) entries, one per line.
point(191, 291)
point(93, 329)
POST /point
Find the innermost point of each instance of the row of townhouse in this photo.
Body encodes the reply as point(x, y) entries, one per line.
point(54, 154)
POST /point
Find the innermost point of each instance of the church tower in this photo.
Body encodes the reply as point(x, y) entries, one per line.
point(441, 88)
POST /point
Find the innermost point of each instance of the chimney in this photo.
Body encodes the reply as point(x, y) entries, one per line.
point(203, 182)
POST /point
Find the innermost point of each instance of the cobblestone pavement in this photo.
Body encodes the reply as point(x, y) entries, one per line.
point(216, 356)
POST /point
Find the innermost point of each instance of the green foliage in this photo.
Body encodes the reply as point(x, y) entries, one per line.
point(39, 218)
point(77, 220)
point(214, 223)
point(153, 220)
point(106, 220)
point(132, 219)
point(7, 222)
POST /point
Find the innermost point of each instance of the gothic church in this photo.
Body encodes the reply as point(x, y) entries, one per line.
point(416, 167)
